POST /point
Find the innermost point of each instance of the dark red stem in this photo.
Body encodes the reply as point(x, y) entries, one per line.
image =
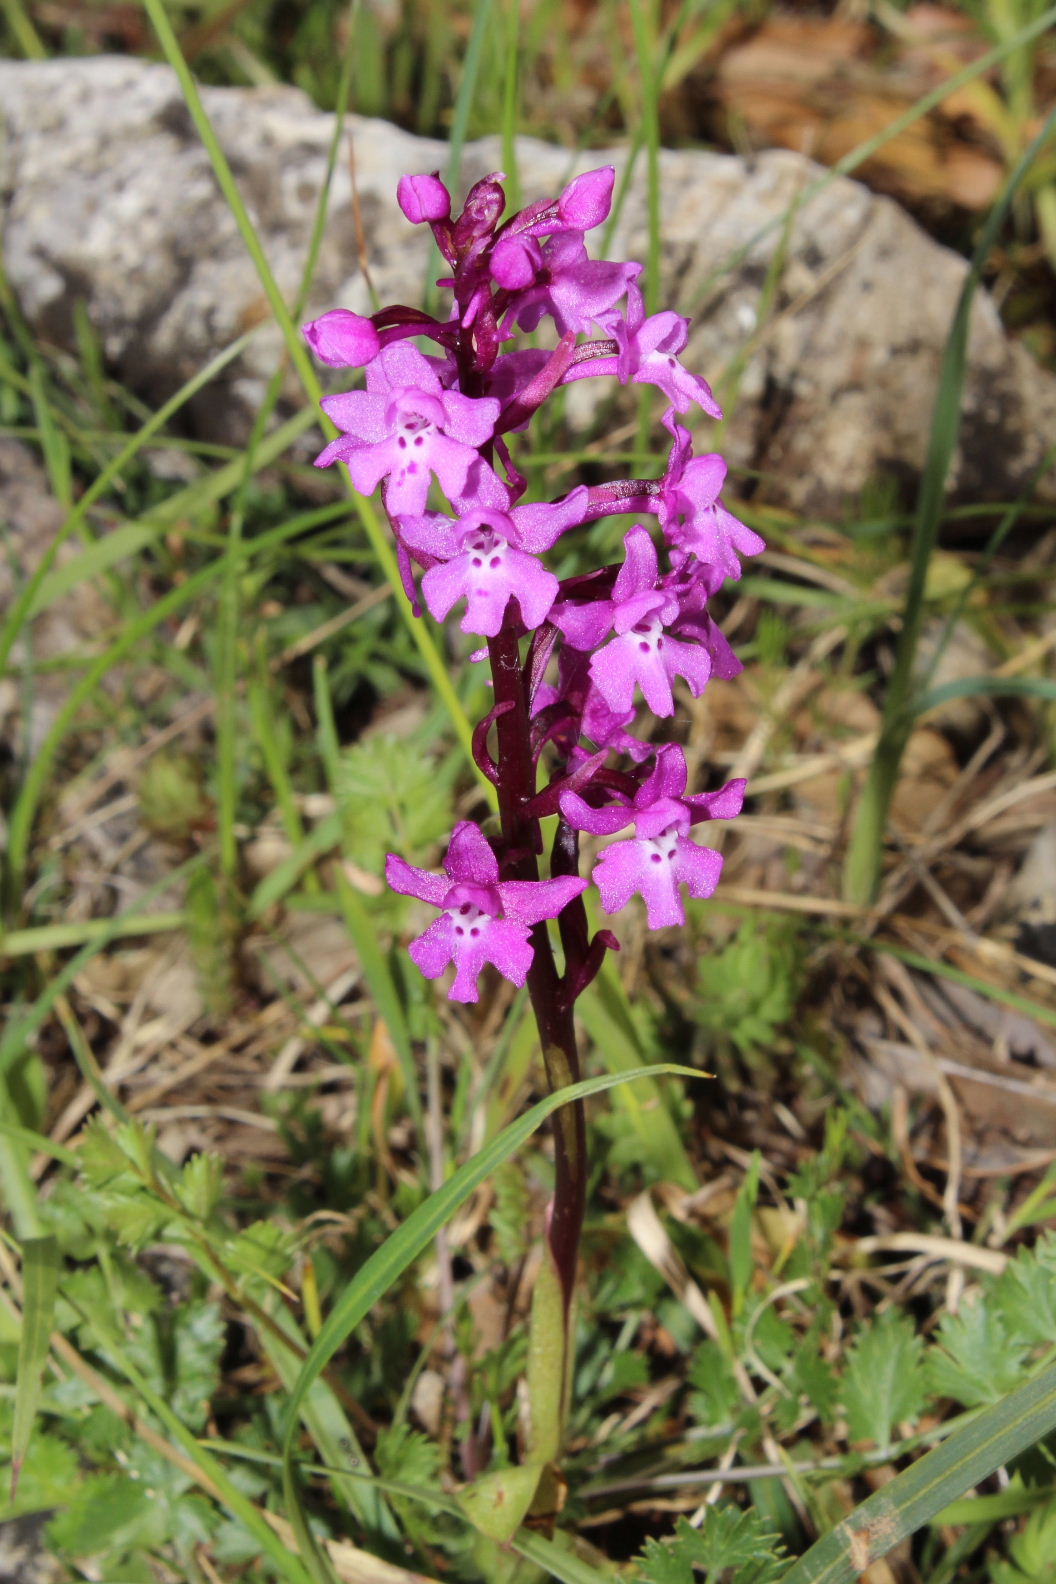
point(551, 995)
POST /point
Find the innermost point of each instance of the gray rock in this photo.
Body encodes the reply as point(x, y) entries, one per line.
point(107, 196)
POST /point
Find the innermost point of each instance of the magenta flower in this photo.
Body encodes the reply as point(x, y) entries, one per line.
point(574, 289)
point(660, 857)
point(647, 354)
point(483, 920)
point(644, 611)
point(490, 557)
point(579, 711)
point(693, 583)
point(694, 520)
point(405, 427)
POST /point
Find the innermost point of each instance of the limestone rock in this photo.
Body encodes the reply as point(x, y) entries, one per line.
point(108, 196)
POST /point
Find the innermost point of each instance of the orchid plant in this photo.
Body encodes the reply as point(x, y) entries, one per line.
point(569, 659)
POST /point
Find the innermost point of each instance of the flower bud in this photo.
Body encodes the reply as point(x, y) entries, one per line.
point(485, 202)
point(515, 261)
point(586, 202)
point(342, 339)
point(424, 198)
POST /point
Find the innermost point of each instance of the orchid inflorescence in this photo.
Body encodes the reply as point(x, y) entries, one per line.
point(594, 642)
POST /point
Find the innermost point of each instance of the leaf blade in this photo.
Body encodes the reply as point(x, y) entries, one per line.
point(917, 1495)
point(40, 1277)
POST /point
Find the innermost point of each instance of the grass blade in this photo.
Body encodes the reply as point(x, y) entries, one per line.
point(982, 987)
point(650, 64)
point(918, 1495)
point(40, 1280)
point(96, 935)
point(467, 88)
point(36, 776)
point(556, 1561)
point(993, 686)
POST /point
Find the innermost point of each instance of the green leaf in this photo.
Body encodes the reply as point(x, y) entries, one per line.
point(885, 1382)
point(49, 1474)
point(975, 1360)
point(742, 1263)
point(913, 1498)
point(178, 1353)
point(741, 1544)
point(407, 1455)
point(286, 1562)
point(109, 1512)
point(139, 1140)
point(101, 1156)
point(1026, 1295)
point(261, 1249)
point(498, 1503)
point(717, 1393)
point(510, 1218)
point(625, 1373)
point(1032, 1552)
point(135, 1218)
point(199, 1336)
point(40, 1279)
point(814, 1376)
point(105, 1300)
point(663, 1563)
point(200, 1184)
point(750, 987)
point(392, 797)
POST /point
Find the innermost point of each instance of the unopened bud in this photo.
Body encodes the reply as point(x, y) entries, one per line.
point(484, 205)
point(342, 339)
point(515, 261)
point(423, 199)
point(586, 202)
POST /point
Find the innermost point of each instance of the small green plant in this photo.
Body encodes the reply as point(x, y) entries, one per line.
point(749, 988)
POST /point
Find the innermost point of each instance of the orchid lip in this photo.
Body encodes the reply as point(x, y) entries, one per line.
point(665, 846)
point(468, 921)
